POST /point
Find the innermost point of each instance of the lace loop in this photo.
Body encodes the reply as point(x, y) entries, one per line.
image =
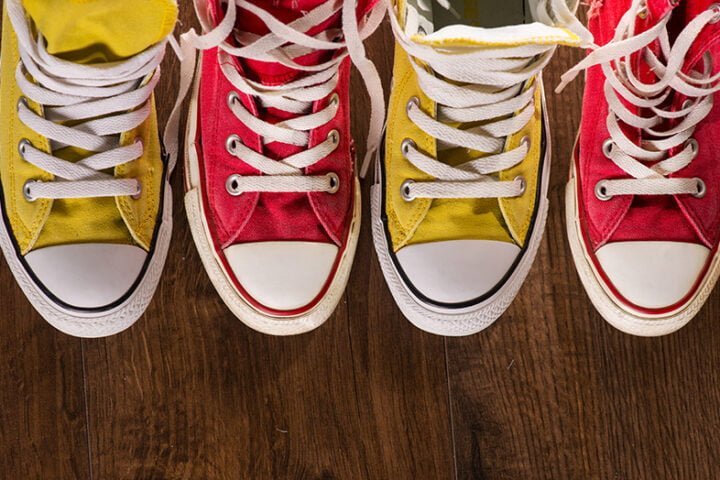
point(284, 44)
point(492, 88)
point(653, 104)
point(102, 102)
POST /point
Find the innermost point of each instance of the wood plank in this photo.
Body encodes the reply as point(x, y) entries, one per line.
point(553, 392)
point(42, 394)
point(190, 392)
point(400, 371)
point(550, 392)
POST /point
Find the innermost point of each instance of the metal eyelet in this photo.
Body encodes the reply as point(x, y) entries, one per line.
point(406, 145)
point(232, 143)
point(22, 101)
point(601, 191)
point(138, 192)
point(232, 185)
point(701, 188)
point(523, 184)
point(334, 99)
point(694, 146)
point(334, 182)
point(413, 102)
point(23, 145)
point(715, 7)
point(26, 191)
point(525, 141)
point(643, 12)
point(405, 190)
point(232, 99)
point(608, 146)
point(334, 137)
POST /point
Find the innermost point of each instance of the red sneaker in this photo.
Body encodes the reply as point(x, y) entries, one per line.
point(272, 193)
point(643, 202)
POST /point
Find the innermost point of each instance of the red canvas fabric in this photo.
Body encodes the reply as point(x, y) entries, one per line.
point(625, 218)
point(255, 217)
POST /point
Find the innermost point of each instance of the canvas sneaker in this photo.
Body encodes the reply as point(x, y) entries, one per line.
point(460, 198)
point(643, 200)
point(272, 195)
point(85, 201)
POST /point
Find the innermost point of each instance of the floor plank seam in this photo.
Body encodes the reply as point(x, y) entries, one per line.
point(87, 411)
point(355, 386)
point(451, 417)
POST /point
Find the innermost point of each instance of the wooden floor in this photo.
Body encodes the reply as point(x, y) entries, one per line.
point(549, 392)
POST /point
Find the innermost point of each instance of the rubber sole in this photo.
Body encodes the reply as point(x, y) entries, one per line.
point(612, 309)
point(221, 279)
point(455, 322)
point(103, 323)
point(470, 320)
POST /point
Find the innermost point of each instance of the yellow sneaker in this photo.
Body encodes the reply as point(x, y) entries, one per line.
point(85, 201)
point(460, 199)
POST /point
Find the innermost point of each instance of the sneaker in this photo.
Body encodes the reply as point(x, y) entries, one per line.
point(460, 199)
point(642, 201)
point(85, 201)
point(272, 195)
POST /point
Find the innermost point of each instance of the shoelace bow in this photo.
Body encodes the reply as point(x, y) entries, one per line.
point(284, 44)
point(84, 106)
point(668, 149)
point(488, 85)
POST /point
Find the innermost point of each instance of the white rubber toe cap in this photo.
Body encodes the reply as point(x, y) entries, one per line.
point(457, 271)
point(89, 275)
point(653, 274)
point(282, 275)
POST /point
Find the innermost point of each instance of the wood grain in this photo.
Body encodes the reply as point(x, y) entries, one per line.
point(549, 392)
point(43, 415)
point(43, 430)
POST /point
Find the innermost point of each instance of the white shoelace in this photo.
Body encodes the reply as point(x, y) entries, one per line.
point(476, 85)
point(99, 101)
point(671, 149)
point(283, 44)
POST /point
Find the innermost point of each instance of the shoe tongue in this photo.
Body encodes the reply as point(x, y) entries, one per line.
point(96, 31)
point(498, 37)
point(439, 23)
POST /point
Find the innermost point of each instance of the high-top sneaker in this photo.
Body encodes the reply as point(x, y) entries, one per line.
point(272, 193)
point(643, 201)
point(460, 199)
point(86, 207)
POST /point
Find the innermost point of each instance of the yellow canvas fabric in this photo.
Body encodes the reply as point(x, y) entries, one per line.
point(45, 223)
point(561, 36)
point(424, 220)
point(403, 216)
point(102, 29)
point(26, 218)
point(518, 211)
point(140, 214)
point(123, 220)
